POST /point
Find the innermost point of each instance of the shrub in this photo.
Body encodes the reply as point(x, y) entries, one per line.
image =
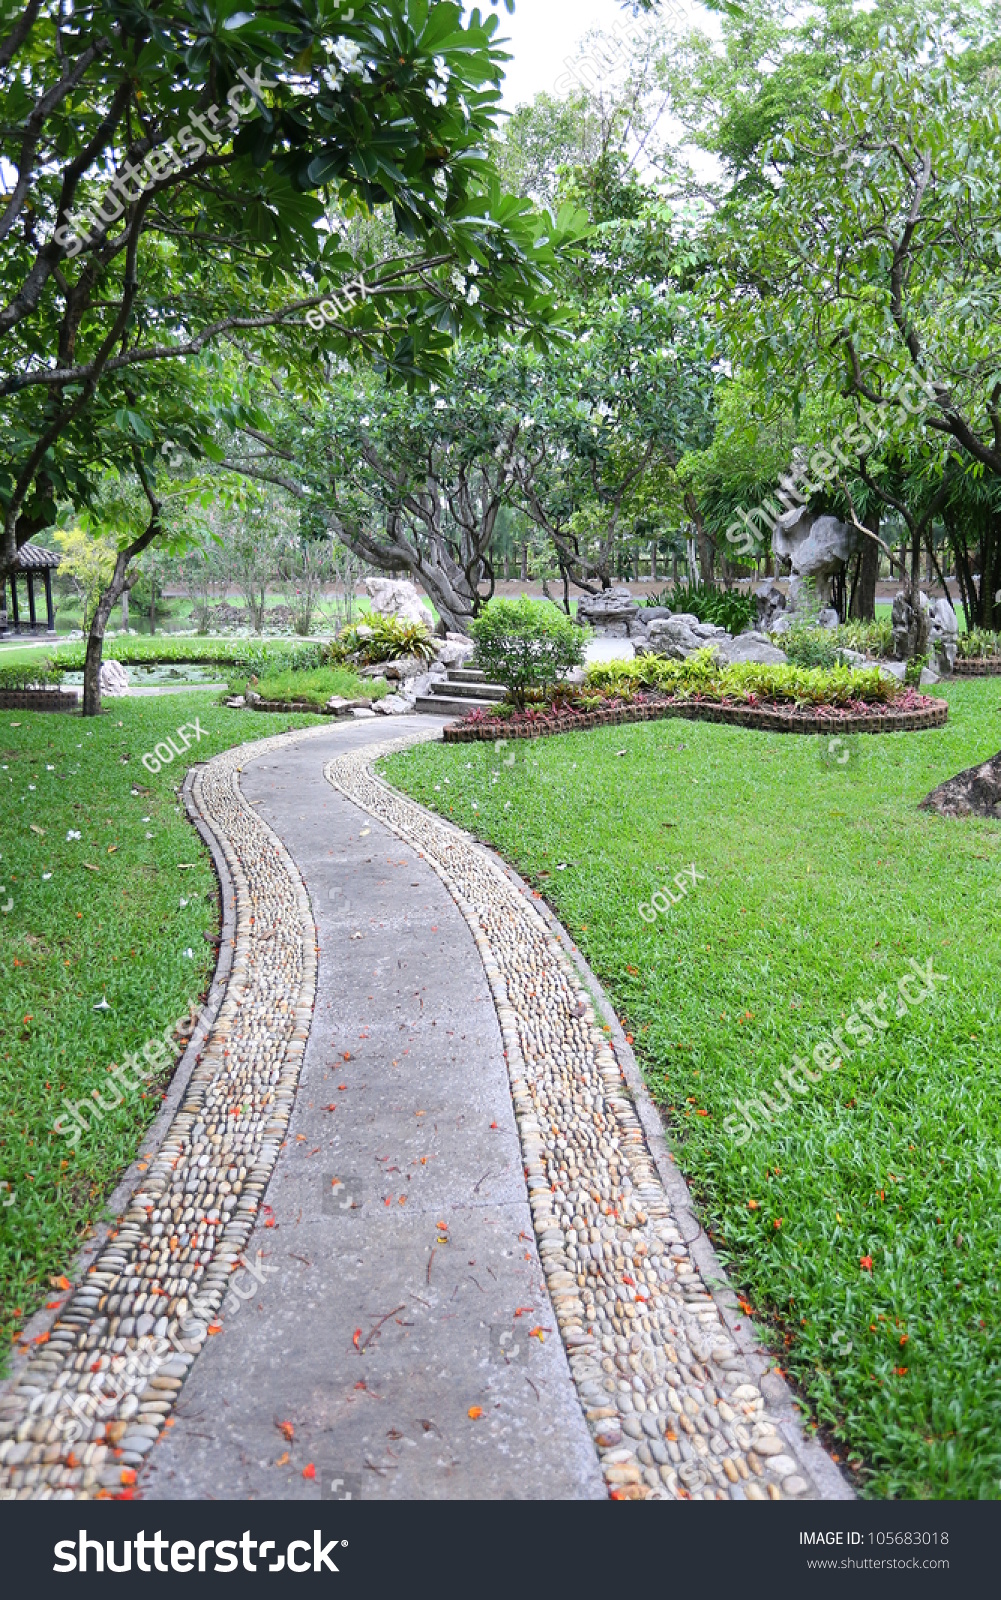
point(246, 655)
point(318, 687)
point(702, 675)
point(381, 638)
point(526, 644)
point(979, 645)
point(723, 608)
point(812, 647)
point(871, 638)
point(29, 676)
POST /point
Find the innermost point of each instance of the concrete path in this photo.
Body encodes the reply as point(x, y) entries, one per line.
point(407, 1226)
point(376, 1329)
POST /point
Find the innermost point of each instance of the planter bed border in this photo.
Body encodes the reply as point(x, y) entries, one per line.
point(985, 667)
point(766, 718)
point(38, 700)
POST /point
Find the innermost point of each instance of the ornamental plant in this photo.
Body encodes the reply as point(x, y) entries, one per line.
point(526, 645)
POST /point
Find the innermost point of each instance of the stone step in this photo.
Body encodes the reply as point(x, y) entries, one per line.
point(468, 691)
point(443, 705)
point(466, 675)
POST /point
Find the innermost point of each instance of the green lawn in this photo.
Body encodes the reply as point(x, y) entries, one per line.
point(821, 881)
point(130, 932)
point(319, 686)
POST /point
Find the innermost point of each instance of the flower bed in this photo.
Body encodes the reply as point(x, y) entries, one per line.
point(908, 712)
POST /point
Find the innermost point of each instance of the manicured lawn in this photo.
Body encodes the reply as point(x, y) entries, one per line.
point(130, 932)
point(318, 687)
point(862, 1222)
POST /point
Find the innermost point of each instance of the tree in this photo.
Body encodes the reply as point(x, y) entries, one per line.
point(279, 123)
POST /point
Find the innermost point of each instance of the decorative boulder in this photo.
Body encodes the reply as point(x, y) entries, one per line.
point(973, 793)
point(750, 647)
point(454, 649)
point(114, 679)
point(943, 633)
point(609, 612)
point(828, 618)
point(393, 705)
point(681, 635)
point(394, 597)
point(815, 547)
point(771, 604)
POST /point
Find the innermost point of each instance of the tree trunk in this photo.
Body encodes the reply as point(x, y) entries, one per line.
point(152, 607)
point(125, 610)
point(864, 598)
point(653, 561)
point(524, 563)
point(95, 638)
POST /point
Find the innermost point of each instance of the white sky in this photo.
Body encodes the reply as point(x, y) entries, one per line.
point(543, 33)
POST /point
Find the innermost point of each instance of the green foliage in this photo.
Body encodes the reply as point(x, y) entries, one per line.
point(702, 676)
point(526, 645)
point(980, 644)
point(872, 638)
point(723, 608)
point(381, 638)
point(249, 654)
point(319, 686)
point(812, 647)
point(27, 675)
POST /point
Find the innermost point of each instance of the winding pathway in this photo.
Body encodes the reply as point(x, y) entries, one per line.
point(476, 1272)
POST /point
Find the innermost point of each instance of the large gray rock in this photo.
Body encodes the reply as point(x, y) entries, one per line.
point(114, 679)
point(454, 650)
point(612, 609)
point(393, 705)
point(394, 597)
point(681, 635)
point(815, 547)
point(943, 633)
point(750, 647)
point(771, 604)
point(405, 667)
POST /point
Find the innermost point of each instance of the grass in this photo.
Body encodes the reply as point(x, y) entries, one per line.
point(318, 687)
point(821, 880)
point(70, 939)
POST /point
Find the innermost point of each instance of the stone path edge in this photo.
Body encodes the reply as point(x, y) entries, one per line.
point(762, 1362)
point(223, 994)
point(829, 1479)
point(117, 1202)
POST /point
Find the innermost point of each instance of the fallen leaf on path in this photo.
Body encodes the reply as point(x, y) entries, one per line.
point(287, 1430)
point(356, 1337)
point(474, 1413)
point(283, 1459)
point(309, 1471)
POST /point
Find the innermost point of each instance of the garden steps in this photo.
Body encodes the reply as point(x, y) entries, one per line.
point(464, 690)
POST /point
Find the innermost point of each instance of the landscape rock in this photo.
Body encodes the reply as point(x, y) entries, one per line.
point(973, 793)
point(771, 604)
point(943, 633)
point(609, 612)
point(405, 667)
point(393, 705)
point(680, 635)
point(454, 650)
point(828, 618)
point(362, 711)
point(750, 647)
point(816, 548)
point(394, 597)
point(114, 679)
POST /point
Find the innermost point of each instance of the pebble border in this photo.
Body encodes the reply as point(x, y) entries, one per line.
point(666, 1390)
point(761, 717)
point(197, 1203)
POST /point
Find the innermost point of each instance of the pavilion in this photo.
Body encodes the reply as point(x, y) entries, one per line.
point(31, 560)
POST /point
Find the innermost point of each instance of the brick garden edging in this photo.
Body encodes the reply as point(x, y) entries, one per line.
point(38, 700)
point(768, 719)
point(989, 667)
